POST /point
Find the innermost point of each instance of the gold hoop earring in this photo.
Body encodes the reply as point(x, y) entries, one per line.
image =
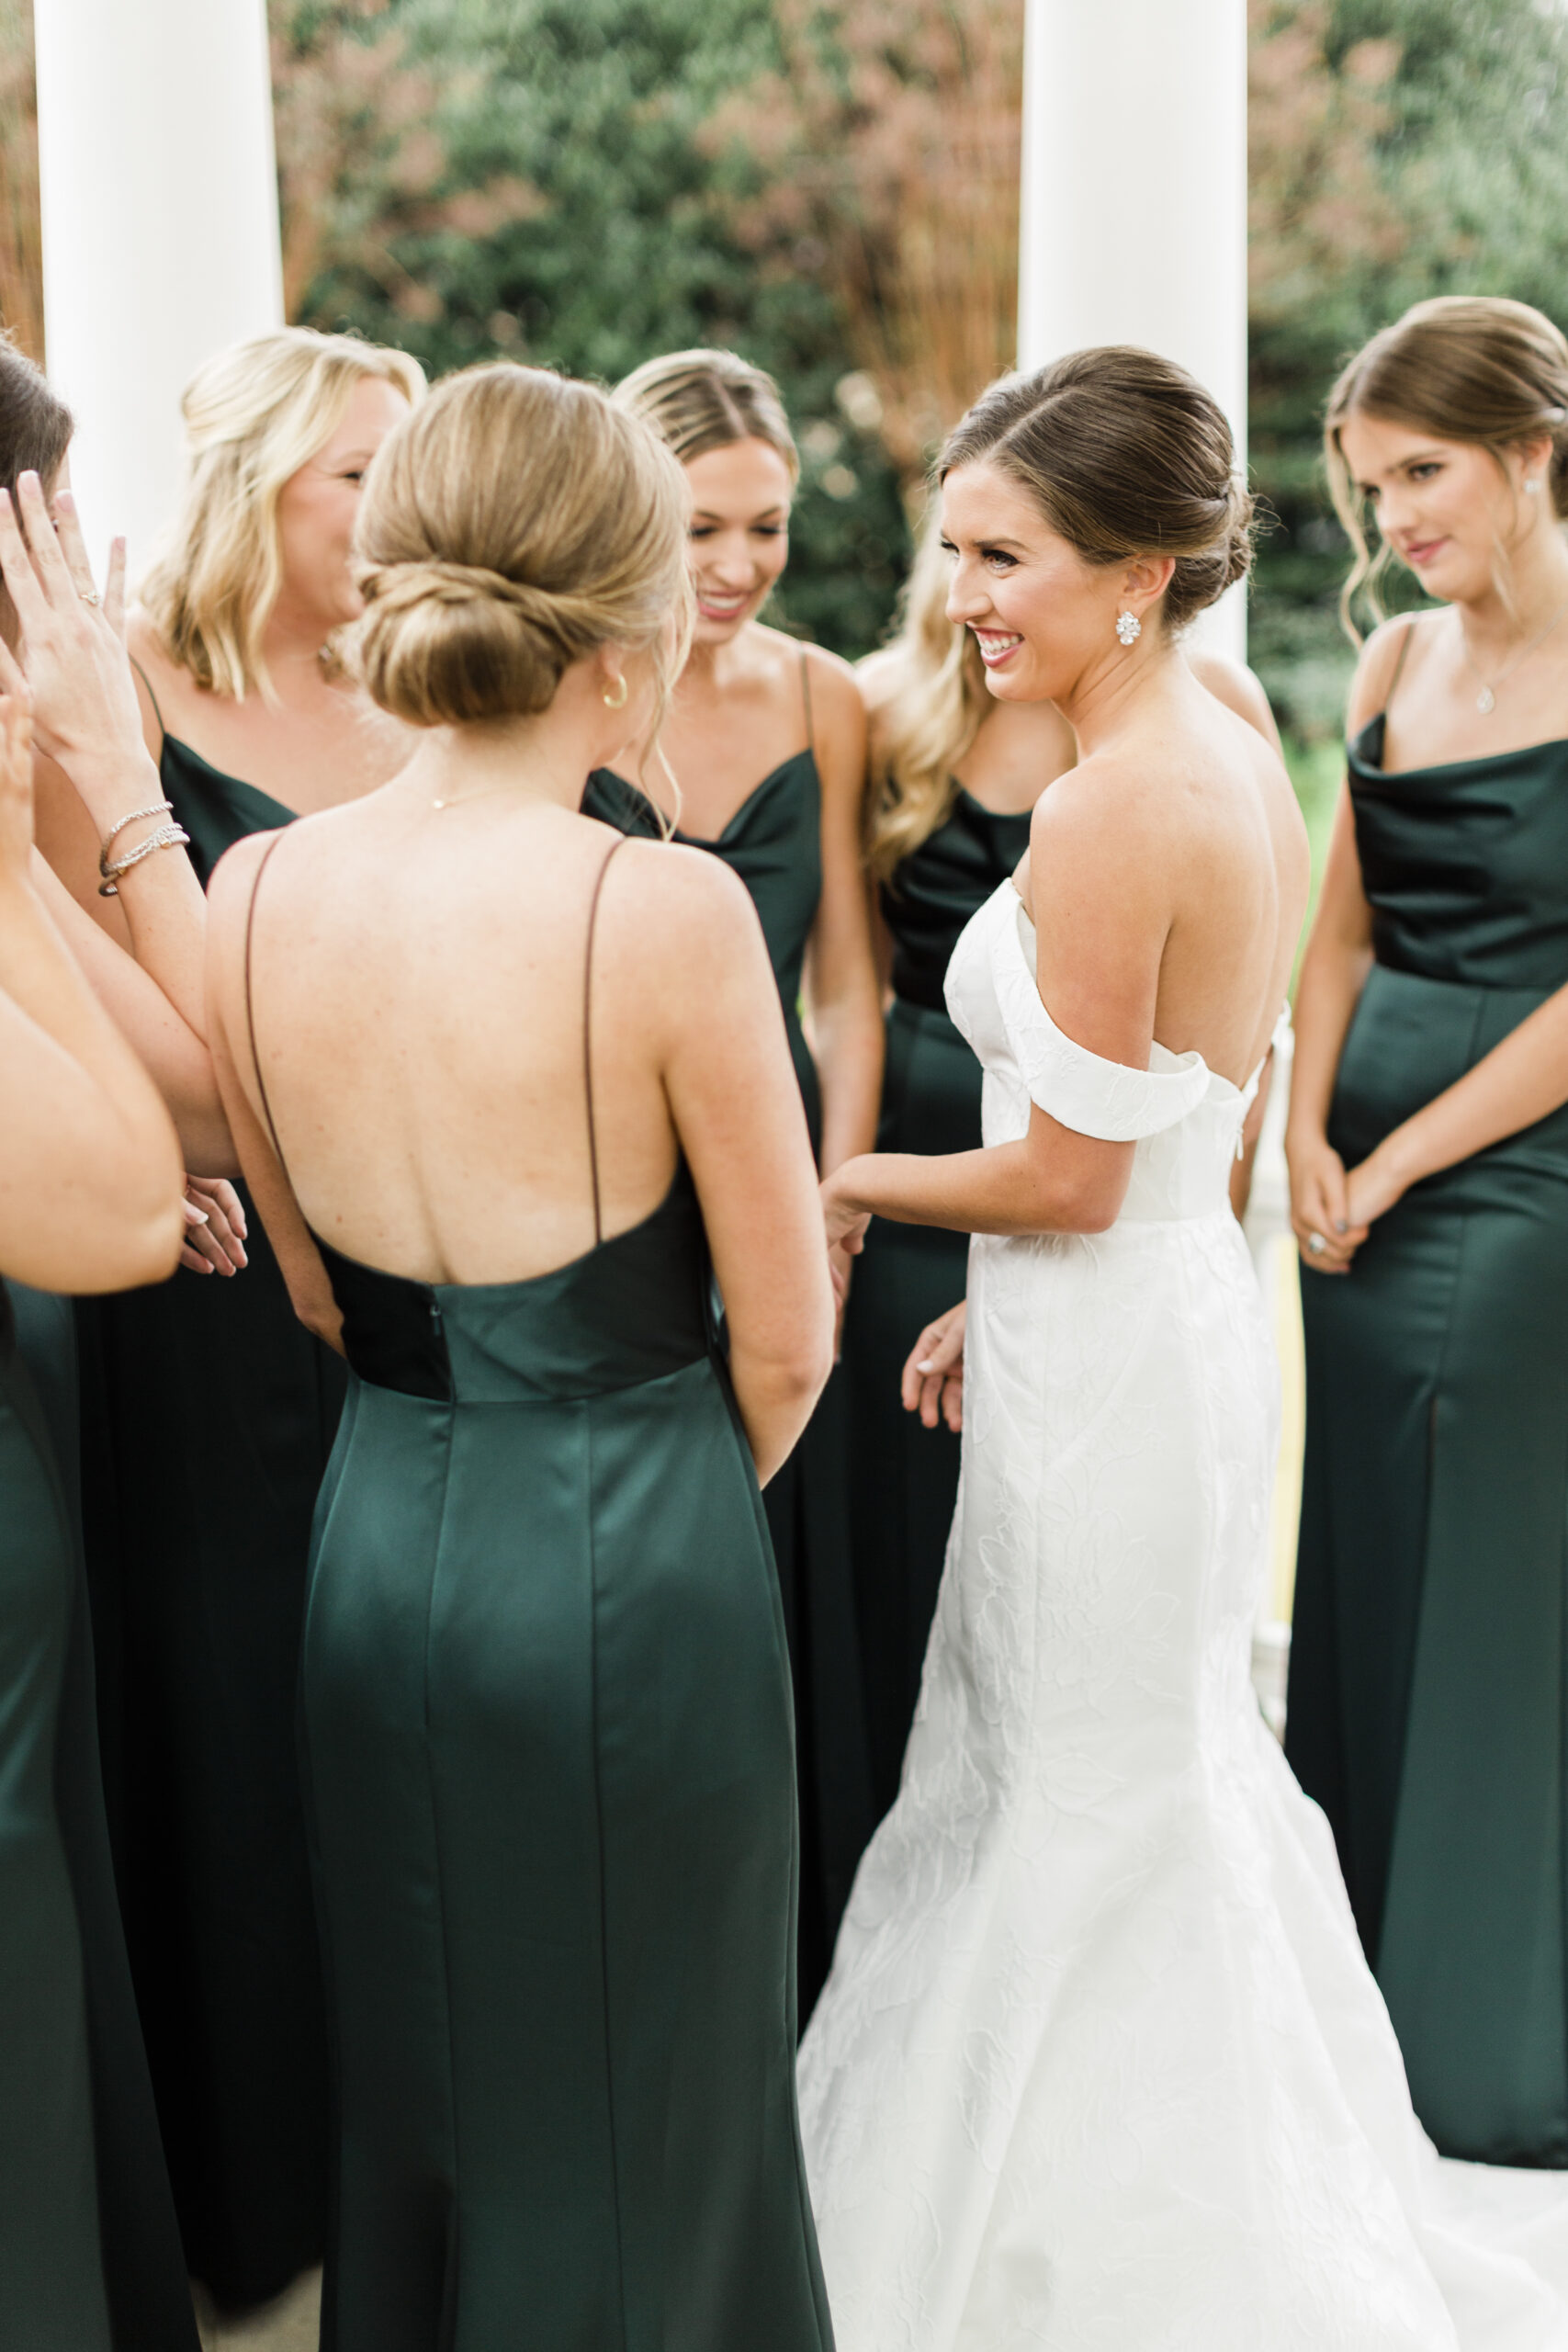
point(617, 701)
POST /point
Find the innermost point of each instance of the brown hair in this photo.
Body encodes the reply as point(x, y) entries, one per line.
point(510, 525)
point(35, 433)
point(1472, 367)
point(700, 400)
point(1125, 454)
point(35, 423)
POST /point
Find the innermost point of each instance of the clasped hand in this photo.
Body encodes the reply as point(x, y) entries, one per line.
point(1333, 1209)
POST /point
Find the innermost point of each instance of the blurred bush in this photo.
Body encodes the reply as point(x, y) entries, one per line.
point(830, 186)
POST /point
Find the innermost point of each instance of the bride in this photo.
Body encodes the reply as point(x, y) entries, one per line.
point(1099, 2064)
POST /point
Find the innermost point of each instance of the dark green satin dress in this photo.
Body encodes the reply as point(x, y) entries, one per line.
point(774, 842)
point(903, 1478)
point(89, 2253)
point(1428, 1691)
point(208, 1414)
point(548, 1755)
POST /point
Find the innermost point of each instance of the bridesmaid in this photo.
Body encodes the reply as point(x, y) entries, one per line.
point(208, 1414)
point(90, 1191)
point(765, 766)
point(500, 1080)
point(1428, 1153)
point(955, 778)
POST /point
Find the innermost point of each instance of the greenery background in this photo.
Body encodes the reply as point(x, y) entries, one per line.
point(830, 187)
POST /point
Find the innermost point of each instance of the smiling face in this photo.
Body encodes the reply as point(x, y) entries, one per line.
point(1041, 614)
point(316, 506)
point(738, 540)
point(1446, 508)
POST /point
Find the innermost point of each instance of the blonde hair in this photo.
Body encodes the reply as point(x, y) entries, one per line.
point(511, 524)
point(1124, 454)
point(699, 400)
point(926, 696)
point(253, 414)
point(1466, 368)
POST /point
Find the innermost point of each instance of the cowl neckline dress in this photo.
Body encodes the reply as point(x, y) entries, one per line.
point(1429, 1662)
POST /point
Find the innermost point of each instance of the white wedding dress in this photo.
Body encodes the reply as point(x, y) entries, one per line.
point(1100, 2066)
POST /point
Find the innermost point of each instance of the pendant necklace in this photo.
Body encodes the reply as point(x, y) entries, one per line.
point(1486, 700)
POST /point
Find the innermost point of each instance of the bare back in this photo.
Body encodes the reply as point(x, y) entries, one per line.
point(1167, 875)
point(416, 982)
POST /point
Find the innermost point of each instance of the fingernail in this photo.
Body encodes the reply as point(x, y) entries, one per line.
point(925, 1365)
point(195, 1216)
point(63, 497)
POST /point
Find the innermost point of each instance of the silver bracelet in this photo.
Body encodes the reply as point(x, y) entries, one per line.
point(166, 837)
point(159, 808)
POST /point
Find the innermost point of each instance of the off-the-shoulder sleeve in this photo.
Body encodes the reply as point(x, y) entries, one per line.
point(1092, 1096)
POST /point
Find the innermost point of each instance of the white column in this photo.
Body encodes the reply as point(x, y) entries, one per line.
point(160, 229)
point(1133, 225)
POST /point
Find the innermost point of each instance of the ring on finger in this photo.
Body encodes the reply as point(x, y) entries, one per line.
point(1316, 1244)
point(89, 595)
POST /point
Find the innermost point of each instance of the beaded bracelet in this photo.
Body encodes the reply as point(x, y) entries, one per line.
point(158, 809)
point(166, 837)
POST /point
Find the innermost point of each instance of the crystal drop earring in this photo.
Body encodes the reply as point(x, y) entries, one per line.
point(1129, 628)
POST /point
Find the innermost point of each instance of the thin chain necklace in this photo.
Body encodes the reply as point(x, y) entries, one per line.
point(1486, 700)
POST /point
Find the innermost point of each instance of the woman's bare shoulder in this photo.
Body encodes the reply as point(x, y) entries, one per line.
point(1382, 656)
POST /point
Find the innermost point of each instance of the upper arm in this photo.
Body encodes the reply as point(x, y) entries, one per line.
point(1102, 909)
point(733, 1095)
point(1102, 914)
point(1374, 673)
point(841, 952)
point(229, 901)
point(1343, 914)
point(176, 1059)
point(89, 1193)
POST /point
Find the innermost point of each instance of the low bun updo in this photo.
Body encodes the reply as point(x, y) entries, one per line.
point(510, 526)
point(1126, 455)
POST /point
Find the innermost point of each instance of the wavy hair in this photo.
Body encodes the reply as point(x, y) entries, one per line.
point(1465, 367)
point(253, 414)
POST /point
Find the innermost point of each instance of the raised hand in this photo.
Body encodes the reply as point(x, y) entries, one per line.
point(932, 1384)
point(72, 655)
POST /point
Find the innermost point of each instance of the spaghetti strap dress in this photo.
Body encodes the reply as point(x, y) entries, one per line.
point(774, 842)
point(90, 2256)
point(547, 1731)
point(208, 1414)
point(1428, 1690)
point(903, 1478)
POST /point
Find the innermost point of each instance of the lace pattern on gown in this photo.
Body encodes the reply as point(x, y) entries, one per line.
point(1099, 2067)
